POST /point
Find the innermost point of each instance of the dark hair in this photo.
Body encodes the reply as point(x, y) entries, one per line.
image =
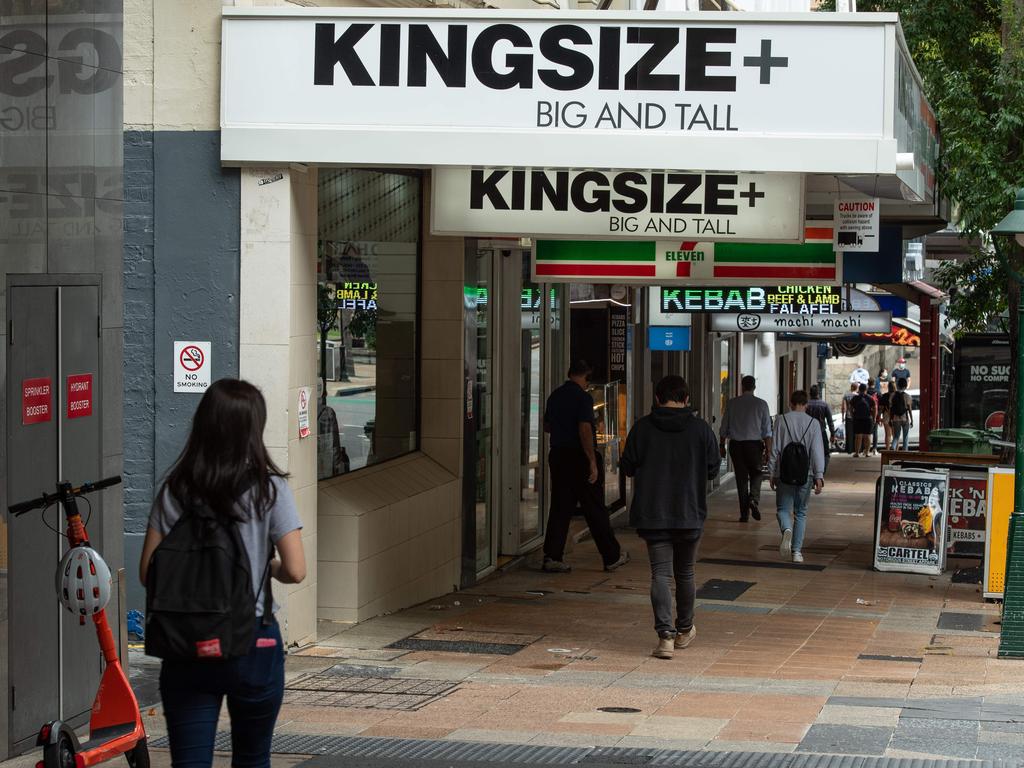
point(748, 383)
point(871, 382)
point(853, 386)
point(813, 393)
point(901, 384)
point(798, 397)
point(892, 385)
point(580, 368)
point(224, 456)
point(672, 389)
point(862, 388)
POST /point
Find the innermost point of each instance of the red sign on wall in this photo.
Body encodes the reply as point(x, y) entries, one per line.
point(36, 399)
point(79, 396)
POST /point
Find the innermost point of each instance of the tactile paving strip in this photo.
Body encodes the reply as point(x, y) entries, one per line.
point(402, 750)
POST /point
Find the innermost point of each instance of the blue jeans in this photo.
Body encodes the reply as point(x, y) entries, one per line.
point(900, 429)
point(791, 509)
point(192, 692)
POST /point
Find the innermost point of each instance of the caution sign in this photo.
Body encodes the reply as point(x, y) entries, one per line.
point(36, 401)
point(191, 366)
point(79, 396)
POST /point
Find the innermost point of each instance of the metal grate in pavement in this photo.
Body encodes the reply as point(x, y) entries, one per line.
point(329, 689)
point(723, 589)
point(763, 564)
point(457, 646)
point(408, 750)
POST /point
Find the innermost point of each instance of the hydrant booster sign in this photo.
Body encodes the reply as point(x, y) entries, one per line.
point(910, 532)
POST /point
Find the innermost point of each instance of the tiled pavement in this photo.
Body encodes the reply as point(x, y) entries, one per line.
point(834, 660)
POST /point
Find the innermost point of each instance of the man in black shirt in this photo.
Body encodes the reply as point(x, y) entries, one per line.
point(577, 477)
point(818, 409)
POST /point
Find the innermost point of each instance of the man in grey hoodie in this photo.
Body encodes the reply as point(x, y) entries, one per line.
point(671, 454)
point(791, 500)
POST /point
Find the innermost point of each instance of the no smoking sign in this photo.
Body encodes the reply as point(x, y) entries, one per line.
point(191, 366)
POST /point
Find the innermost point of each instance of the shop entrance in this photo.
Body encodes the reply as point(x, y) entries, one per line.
point(516, 349)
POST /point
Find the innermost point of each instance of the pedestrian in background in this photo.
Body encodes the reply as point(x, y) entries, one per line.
point(884, 403)
point(671, 454)
point(818, 409)
point(873, 394)
point(901, 415)
point(577, 477)
point(225, 471)
point(796, 466)
point(901, 372)
point(847, 411)
point(863, 421)
point(747, 426)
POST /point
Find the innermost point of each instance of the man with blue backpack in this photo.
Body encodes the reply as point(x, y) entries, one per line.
point(795, 467)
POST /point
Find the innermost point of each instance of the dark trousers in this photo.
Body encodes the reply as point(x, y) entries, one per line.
point(192, 692)
point(569, 488)
point(672, 554)
point(746, 461)
point(848, 424)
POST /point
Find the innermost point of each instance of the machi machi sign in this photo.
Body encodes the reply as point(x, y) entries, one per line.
point(733, 92)
point(847, 322)
point(618, 204)
point(668, 262)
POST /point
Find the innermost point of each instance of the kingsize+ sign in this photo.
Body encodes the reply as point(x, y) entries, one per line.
point(624, 89)
point(618, 204)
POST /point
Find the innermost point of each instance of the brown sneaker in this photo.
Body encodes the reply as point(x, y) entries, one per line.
point(683, 639)
point(664, 649)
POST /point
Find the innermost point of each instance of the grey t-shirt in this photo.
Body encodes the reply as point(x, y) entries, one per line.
point(257, 533)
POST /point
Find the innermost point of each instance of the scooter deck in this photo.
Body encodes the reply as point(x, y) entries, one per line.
point(107, 734)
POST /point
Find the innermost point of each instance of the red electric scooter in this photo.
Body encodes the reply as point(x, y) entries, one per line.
point(115, 725)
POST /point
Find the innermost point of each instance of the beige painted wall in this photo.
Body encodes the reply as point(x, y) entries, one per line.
point(390, 535)
point(276, 346)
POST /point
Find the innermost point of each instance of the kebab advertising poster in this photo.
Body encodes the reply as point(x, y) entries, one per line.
point(967, 511)
point(911, 530)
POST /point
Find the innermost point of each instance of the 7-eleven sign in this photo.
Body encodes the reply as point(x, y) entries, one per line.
point(670, 262)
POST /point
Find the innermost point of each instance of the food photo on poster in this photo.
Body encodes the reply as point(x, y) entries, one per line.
point(910, 529)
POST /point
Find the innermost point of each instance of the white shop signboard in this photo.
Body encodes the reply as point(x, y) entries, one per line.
point(618, 204)
point(729, 91)
point(842, 322)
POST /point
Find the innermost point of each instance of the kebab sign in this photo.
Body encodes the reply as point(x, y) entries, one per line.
point(910, 527)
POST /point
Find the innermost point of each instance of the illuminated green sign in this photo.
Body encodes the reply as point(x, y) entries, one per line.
point(774, 300)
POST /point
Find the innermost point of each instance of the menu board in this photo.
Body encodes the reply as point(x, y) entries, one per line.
point(910, 528)
point(967, 512)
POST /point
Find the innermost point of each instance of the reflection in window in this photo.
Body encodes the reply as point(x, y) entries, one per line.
point(368, 225)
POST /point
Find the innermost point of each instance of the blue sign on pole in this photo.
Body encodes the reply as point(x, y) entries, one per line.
point(668, 338)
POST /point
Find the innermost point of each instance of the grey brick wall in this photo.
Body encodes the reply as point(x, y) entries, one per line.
point(139, 309)
point(181, 281)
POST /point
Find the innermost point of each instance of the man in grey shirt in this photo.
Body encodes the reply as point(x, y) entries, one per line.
point(747, 425)
point(791, 500)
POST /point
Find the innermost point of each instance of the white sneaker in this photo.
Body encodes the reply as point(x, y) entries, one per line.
point(623, 559)
point(555, 566)
point(798, 557)
point(786, 546)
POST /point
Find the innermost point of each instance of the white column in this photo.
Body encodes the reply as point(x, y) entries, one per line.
point(277, 309)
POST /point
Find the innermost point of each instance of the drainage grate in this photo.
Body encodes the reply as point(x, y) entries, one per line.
point(721, 589)
point(327, 689)
point(965, 622)
point(881, 657)
point(410, 751)
point(457, 646)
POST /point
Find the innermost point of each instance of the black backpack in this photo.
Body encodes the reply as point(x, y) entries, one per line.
point(794, 463)
point(199, 596)
point(898, 404)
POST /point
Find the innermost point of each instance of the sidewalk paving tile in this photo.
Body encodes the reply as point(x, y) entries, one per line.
point(846, 739)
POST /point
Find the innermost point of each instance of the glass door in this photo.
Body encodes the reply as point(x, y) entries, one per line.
point(483, 288)
point(531, 404)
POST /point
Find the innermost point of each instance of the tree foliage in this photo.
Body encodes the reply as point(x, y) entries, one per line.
point(970, 54)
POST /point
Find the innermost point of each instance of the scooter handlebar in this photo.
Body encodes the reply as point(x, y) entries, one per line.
point(47, 499)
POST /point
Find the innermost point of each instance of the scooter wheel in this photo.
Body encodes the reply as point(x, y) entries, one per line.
point(138, 756)
point(60, 754)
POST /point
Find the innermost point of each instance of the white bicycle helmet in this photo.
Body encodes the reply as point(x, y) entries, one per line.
point(83, 581)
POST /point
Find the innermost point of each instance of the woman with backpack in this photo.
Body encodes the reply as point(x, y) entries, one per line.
point(207, 562)
point(796, 466)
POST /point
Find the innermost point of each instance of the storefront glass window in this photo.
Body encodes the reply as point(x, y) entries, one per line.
point(369, 228)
